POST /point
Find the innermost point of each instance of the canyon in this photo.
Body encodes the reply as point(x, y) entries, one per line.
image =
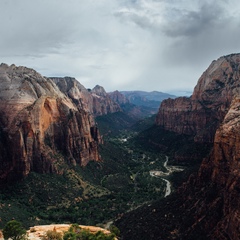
point(206, 206)
point(47, 124)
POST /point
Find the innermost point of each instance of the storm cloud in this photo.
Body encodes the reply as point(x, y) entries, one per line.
point(161, 45)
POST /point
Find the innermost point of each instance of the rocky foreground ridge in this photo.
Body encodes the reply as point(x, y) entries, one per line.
point(39, 232)
point(40, 125)
point(207, 205)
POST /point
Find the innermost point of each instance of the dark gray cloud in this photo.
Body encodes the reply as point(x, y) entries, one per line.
point(198, 37)
point(194, 22)
point(131, 44)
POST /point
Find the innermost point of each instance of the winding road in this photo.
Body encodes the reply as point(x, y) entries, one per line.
point(170, 170)
point(168, 186)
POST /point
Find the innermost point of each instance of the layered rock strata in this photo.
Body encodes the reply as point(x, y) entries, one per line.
point(118, 97)
point(201, 114)
point(207, 206)
point(95, 101)
point(37, 122)
point(221, 169)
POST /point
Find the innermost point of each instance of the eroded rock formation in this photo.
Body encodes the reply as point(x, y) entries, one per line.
point(221, 170)
point(118, 97)
point(95, 101)
point(201, 114)
point(207, 206)
point(37, 123)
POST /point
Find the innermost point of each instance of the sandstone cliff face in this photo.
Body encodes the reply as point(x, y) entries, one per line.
point(207, 206)
point(95, 101)
point(201, 114)
point(211, 197)
point(37, 122)
point(221, 169)
point(209, 200)
point(102, 103)
point(118, 97)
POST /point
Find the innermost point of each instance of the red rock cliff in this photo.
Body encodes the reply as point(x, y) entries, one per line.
point(212, 197)
point(95, 101)
point(210, 200)
point(221, 170)
point(207, 206)
point(201, 114)
point(37, 122)
point(118, 97)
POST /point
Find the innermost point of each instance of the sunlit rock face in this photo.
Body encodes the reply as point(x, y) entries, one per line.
point(38, 122)
point(202, 113)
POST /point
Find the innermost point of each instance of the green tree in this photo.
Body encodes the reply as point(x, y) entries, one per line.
point(115, 230)
point(76, 233)
point(14, 230)
point(69, 236)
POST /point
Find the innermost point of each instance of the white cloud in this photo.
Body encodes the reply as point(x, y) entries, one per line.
point(145, 44)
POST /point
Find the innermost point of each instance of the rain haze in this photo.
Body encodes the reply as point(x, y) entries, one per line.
point(162, 45)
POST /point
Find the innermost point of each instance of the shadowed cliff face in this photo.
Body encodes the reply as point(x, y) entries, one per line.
point(37, 122)
point(201, 114)
point(211, 199)
point(222, 170)
point(207, 206)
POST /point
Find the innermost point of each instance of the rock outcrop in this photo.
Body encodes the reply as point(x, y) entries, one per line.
point(201, 114)
point(221, 170)
point(132, 110)
point(210, 202)
point(118, 97)
point(39, 232)
point(38, 123)
point(95, 101)
point(206, 206)
point(102, 103)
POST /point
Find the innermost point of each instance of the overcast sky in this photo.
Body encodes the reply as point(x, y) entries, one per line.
point(162, 45)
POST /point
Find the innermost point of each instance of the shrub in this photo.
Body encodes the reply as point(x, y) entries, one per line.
point(52, 235)
point(69, 236)
point(75, 228)
point(14, 230)
point(113, 229)
point(76, 233)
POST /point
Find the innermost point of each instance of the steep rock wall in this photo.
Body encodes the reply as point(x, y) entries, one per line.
point(201, 114)
point(207, 206)
point(37, 122)
point(95, 101)
point(221, 169)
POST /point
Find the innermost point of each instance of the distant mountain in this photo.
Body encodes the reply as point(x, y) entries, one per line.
point(134, 110)
point(147, 99)
point(95, 101)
